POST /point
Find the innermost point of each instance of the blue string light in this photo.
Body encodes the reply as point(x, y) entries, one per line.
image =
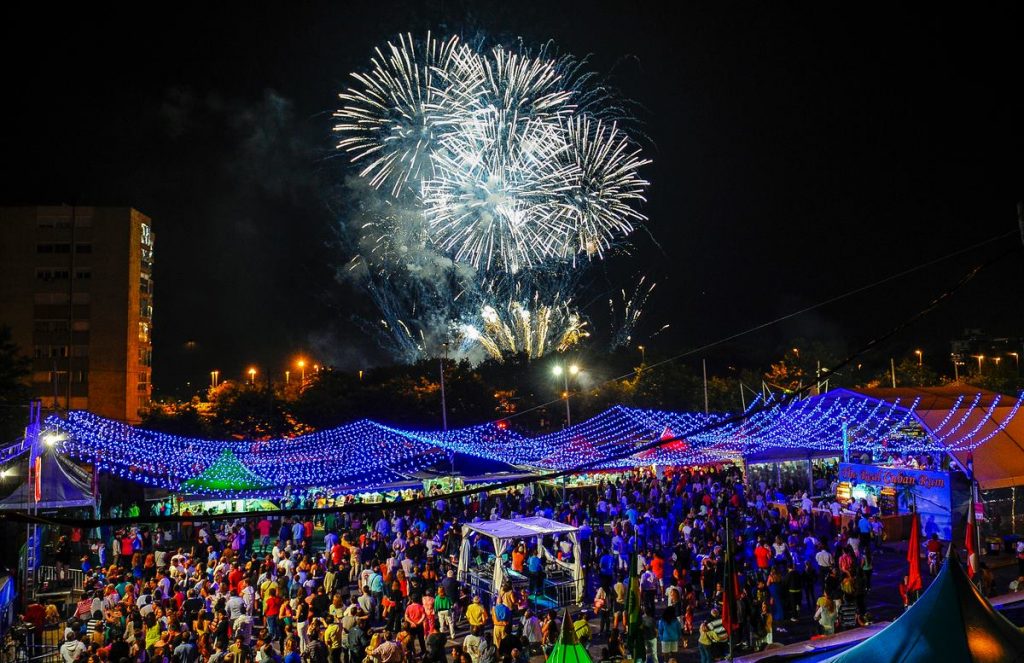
point(368, 455)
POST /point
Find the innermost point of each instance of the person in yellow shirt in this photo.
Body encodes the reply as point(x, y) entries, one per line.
point(475, 613)
point(333, 639)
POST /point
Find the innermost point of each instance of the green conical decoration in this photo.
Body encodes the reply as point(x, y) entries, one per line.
point(225, 473)
point(568, 648)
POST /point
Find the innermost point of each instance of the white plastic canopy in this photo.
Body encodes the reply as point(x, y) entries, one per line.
point(503, 532)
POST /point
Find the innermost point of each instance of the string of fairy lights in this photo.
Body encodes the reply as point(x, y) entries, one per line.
point(366, 455)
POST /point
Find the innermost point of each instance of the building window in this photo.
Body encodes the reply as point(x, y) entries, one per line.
point(80, 325)
point(84, 247)
point(144, 332)
point(51, 298)
point(52, 274)
point(83, 274)
point(50, 326)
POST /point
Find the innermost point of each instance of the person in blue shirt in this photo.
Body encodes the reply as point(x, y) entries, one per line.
point(535, 571)
point(607, 570)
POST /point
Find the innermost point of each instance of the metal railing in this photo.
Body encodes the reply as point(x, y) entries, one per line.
point(50, 579)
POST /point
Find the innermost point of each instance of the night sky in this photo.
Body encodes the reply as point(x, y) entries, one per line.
point(799, 151)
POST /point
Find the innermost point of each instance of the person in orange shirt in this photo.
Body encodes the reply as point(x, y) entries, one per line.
point(519, 557)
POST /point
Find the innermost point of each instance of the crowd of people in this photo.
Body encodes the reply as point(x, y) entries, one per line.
point(381, 587)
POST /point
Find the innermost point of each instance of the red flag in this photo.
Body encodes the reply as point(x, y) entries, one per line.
point(972, 551)
point(37, 480)
point(914, 556)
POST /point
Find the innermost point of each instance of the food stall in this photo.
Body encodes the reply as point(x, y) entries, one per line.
point(894, 491)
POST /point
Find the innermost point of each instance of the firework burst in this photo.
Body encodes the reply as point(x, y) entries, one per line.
point(498, 163)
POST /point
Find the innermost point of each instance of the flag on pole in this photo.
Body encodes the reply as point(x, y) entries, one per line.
point(972, 550)
point(914, 556)
point(731, 593)
point(636, 645)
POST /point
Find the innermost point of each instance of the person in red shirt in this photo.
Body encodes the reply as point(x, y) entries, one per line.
point(658, 569)
point(271, 610)
point(416, 615)
point(763, 556)
point(235, 577)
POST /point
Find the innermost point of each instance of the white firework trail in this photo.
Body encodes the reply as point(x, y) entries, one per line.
point(391, 119)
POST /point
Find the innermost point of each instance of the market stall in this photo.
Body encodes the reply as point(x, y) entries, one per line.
point(895, 491)
point(487, 571)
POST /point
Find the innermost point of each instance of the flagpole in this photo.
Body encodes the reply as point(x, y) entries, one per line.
point(728, 584)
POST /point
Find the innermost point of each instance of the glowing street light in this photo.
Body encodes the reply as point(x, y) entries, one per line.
point(980, 359)
point(214, 379)
point(920, 357)
point(643, 354)
point(252, 376)
point(1016, 360)
point(302, 367)
point(564, 372)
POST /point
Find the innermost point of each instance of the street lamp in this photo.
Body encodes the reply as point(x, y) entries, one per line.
point(643, 355)
point(252, 376)
point(1016, 361)
point(214, 379)
point(980, 359)
point(287, 377)
point(920, 358)
point(302, 367)
point(564, 372)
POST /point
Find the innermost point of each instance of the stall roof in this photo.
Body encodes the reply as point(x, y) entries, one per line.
point(520, 528)
point(999, 459)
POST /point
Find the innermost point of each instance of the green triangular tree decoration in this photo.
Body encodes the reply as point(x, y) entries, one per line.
point(226, 473)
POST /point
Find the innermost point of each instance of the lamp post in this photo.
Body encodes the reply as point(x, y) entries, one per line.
point(214, 379)
point(980, 359)
point(1016, 361)
point(287, 377)
point(920, 358)
point(643, 355)
point(302, 370)
point(565, 372)
point(252, 376)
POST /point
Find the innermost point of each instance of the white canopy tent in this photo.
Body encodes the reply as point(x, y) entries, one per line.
point(503, 533)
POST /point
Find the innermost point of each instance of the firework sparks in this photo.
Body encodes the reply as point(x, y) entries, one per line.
point(491, 165)
point(529, 328)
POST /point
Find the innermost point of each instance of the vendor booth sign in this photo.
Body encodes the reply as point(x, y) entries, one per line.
point(930, 489)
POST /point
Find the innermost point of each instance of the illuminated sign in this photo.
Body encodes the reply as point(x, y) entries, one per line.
point(892, 476)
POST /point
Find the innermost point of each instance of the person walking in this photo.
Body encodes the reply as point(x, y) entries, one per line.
point(443, 609)
point(669, 632)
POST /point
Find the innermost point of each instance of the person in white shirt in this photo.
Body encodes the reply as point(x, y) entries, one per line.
point(71, 649)
point(806, 504)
